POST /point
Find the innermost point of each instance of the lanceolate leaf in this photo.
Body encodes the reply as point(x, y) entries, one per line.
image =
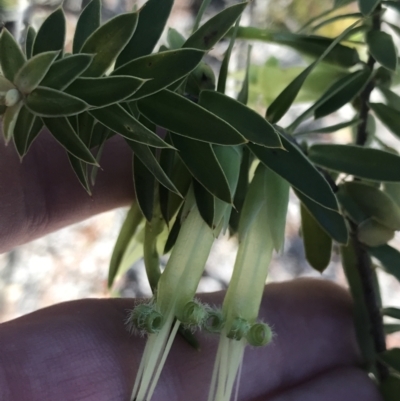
point(108, 41)
point(9, 120)
point(34, 132)
point(371, 164)
point(374, 203)
point(144, 183)
point(368, 6)
point(317, 243)
point(22, 128)
point(85, 124)
point(184, 117)
point(104, 91)
point(381, 46)
point(175, 39)
point(88, 22)
point(391, 312)
point(243, 95)
point(152, 19)
point(293, 166)
point(215, 28)
point(391, 328)
point(11, 56)
point(389, 116)
point(205, 203)
point(332, 222)
point(249, 123)
point(33, 71)
point(51, 34)
point(30, 38)
point(389, 258)
point(195, 154)
point(392, 99)
point(147, 157)
point(81, 171)
point(63, 132)
point(161, 69)
point(329, 129)
point(66, 70)
point(47, 102)
point(117, 119)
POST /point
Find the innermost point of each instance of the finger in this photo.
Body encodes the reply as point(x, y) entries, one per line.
point(42, 194)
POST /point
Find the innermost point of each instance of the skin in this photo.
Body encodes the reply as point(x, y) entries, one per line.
point(81, 351)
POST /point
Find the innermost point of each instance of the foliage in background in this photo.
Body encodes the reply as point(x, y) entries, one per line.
point(204, 162)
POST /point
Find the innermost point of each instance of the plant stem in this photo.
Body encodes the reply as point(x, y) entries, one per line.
point(364, 264)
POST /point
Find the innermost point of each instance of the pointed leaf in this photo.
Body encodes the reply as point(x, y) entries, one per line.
point(175, 39)
point(332, 222)
point(389, 116)
point(293, 166)
point(34, 132)
point(47, 102)
point(330, 129)
point(117, 119)
point(148, 159)
point(371, 164)
point(66, 70)
point(381, 46)
point(389, 258)
point(5, 86)
point(9, 120)
point(249, 123)
point(23, 126)
point(108, 41)
point(89, 20)
point(391, 328)
point(205, 203)
point(29, 40)
point(51, 34)
point(144, 183)
point(33, 71)
point(215, 28)
point(244, 90)
point(161, 69)
point(81, 171)
point(63, 132)
point(392, 99)
point(85, 123)
point(391, 312)
point(374, 203)
point(11, 56)
point(100, 92)
point(317, 243)
point(173, 234)
point(181, 116)
point(193, 154)
point(152, 19)
point(393, 190)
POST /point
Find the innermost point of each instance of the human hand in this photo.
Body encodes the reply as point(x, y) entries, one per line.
point(81, 351)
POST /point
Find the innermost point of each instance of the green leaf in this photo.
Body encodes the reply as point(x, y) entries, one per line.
point(128, 229)
point(215, 28)
point(64, 134)
point(382, 48)
point(34, 132)
point(332, 222)
point(390, 387)
point(202, 9)
point(100, 92)
point(173, 234)
point(389, 258)
point(374, 203)
point(371, 164)
point(201, 78)
point(391, 312)
point(250, 124)
point(392, 99)
point(117, 119)
point(51, 34)
point(342, 92)
point(107, 42)
point(144, 183)
point(389, 116)
point(11, 56)
point(81, 171)
point(175, 39)
point(181, 116)
point(23, 126)
point(329, 129)
point(391, 358)
point(66, 70)
point(85, 125)
point(368, 6)
point(309, 45)
point(88, 21)
point(161, 69)
point(148, 159)
point(293, 166)
point(47, 102)
point(152, 19)
point(391, 328)
point(393, 190)
point(372, 233)
point(33, 71)
point(205, 203)
point(317, 243)
point(5, 86)
point(9, 120)
point(193, 154)
point(29, 39)
point(243, 95)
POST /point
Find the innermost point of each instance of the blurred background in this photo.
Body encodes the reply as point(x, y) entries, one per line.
point(73, 263)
